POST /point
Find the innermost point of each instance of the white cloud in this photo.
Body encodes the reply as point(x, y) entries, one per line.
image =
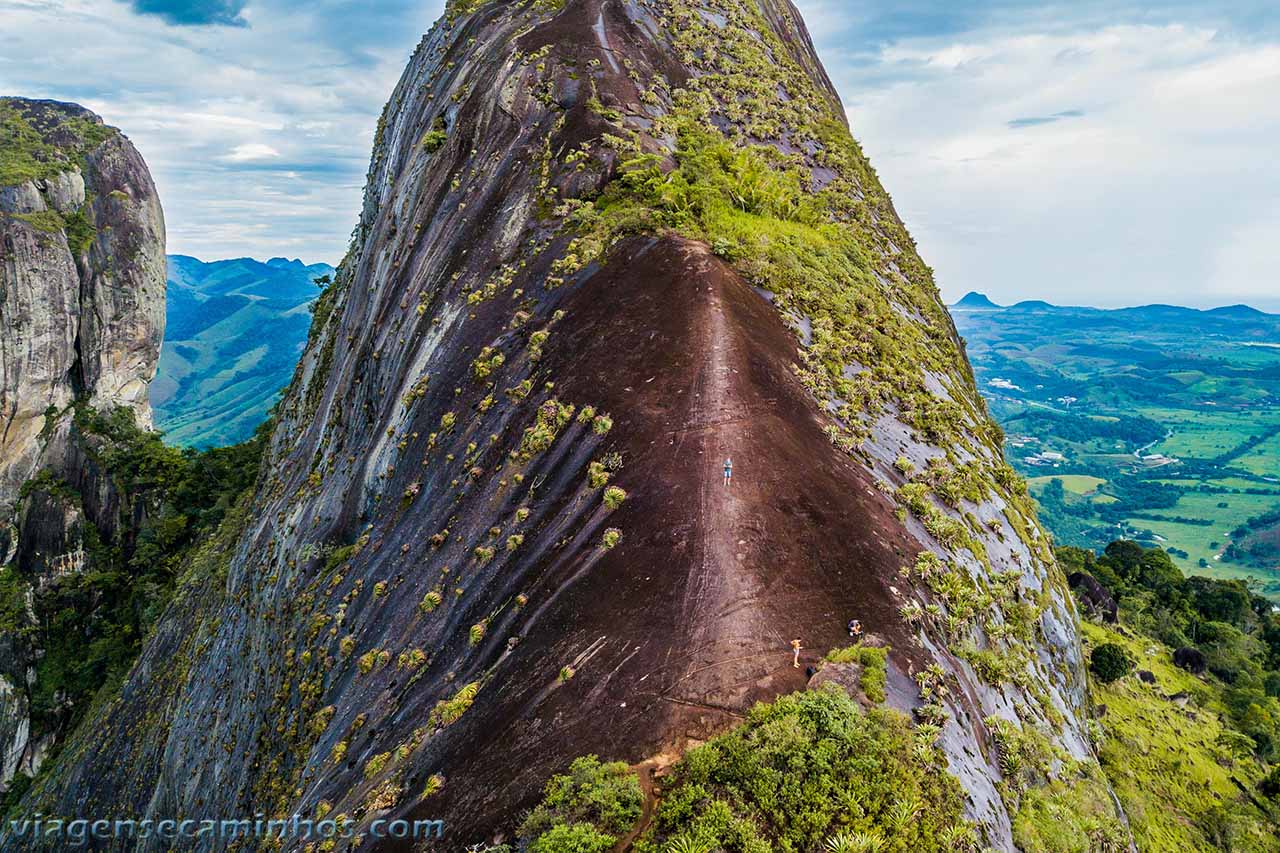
point(1246, 267)
point(251, 152)
point(269, 124)
point(1133, 200)
point(1162, 188)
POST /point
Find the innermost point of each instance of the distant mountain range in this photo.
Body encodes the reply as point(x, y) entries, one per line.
point(974, 301)
point(234, 332)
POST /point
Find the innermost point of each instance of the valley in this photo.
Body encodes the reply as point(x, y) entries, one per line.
point(1158, 424)
point(234, 331)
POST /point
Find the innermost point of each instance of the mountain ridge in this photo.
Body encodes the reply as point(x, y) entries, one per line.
point(979, 301)
point(495, 362)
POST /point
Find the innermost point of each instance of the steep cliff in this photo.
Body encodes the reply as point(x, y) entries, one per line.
point(604, 246)
point(81, 320)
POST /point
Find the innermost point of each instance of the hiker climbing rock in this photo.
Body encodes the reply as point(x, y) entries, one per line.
point(855, 628)
point(728, 471)
point(796, 647)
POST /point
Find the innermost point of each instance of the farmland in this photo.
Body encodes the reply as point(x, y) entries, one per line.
point(1157, 424)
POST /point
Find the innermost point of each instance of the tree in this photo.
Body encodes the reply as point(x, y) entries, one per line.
point(585, 809)
point(1270, 786)
point(1157, 572)
point(1221, 601)
point(1125, 557)
point(1109, 662)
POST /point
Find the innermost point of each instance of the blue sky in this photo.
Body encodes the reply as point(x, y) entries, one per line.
point(1107, 153)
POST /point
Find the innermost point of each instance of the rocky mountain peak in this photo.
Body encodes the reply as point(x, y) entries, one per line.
point(83, 275)
point(609, 253)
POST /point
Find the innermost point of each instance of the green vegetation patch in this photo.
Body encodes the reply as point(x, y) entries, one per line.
point(1180, 786)
point(1235, 632)
point(26, 152)
point(1072, 816)
point(808, 770)
point(585, 810)
point(1185, 754)
point(94, 621)
point(873, 660)
point(1109, 662)
point(1079, 484)
point(48, 221)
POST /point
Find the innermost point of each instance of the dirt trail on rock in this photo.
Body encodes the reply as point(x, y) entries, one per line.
point(645, 773)
point(691, 616)
point(735, 652)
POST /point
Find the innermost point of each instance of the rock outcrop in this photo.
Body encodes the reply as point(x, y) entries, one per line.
point(1098, 603)
point(82, 275)
point(604, 246)
point(81, 321)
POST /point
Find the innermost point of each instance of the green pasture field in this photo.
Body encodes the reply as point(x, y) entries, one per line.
point(1263, 460)
point(1196, 539)
point(1238, 483)
point(1080, 484)
point(1191, 374)
point(1206, 435)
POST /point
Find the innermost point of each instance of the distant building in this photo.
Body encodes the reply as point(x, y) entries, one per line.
point(1156, 460)
point(1048, 457)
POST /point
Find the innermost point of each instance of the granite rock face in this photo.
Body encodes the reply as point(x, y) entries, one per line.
point(82, 274)
point(604, 244)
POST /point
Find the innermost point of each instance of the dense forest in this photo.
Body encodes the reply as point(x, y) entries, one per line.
point(91, 624)
point(1216, 630)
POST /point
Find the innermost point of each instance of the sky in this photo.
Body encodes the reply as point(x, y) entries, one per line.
point(1103, 153)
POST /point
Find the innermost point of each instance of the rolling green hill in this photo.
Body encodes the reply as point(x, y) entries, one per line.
point(1170, 416)
point(234, 332)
